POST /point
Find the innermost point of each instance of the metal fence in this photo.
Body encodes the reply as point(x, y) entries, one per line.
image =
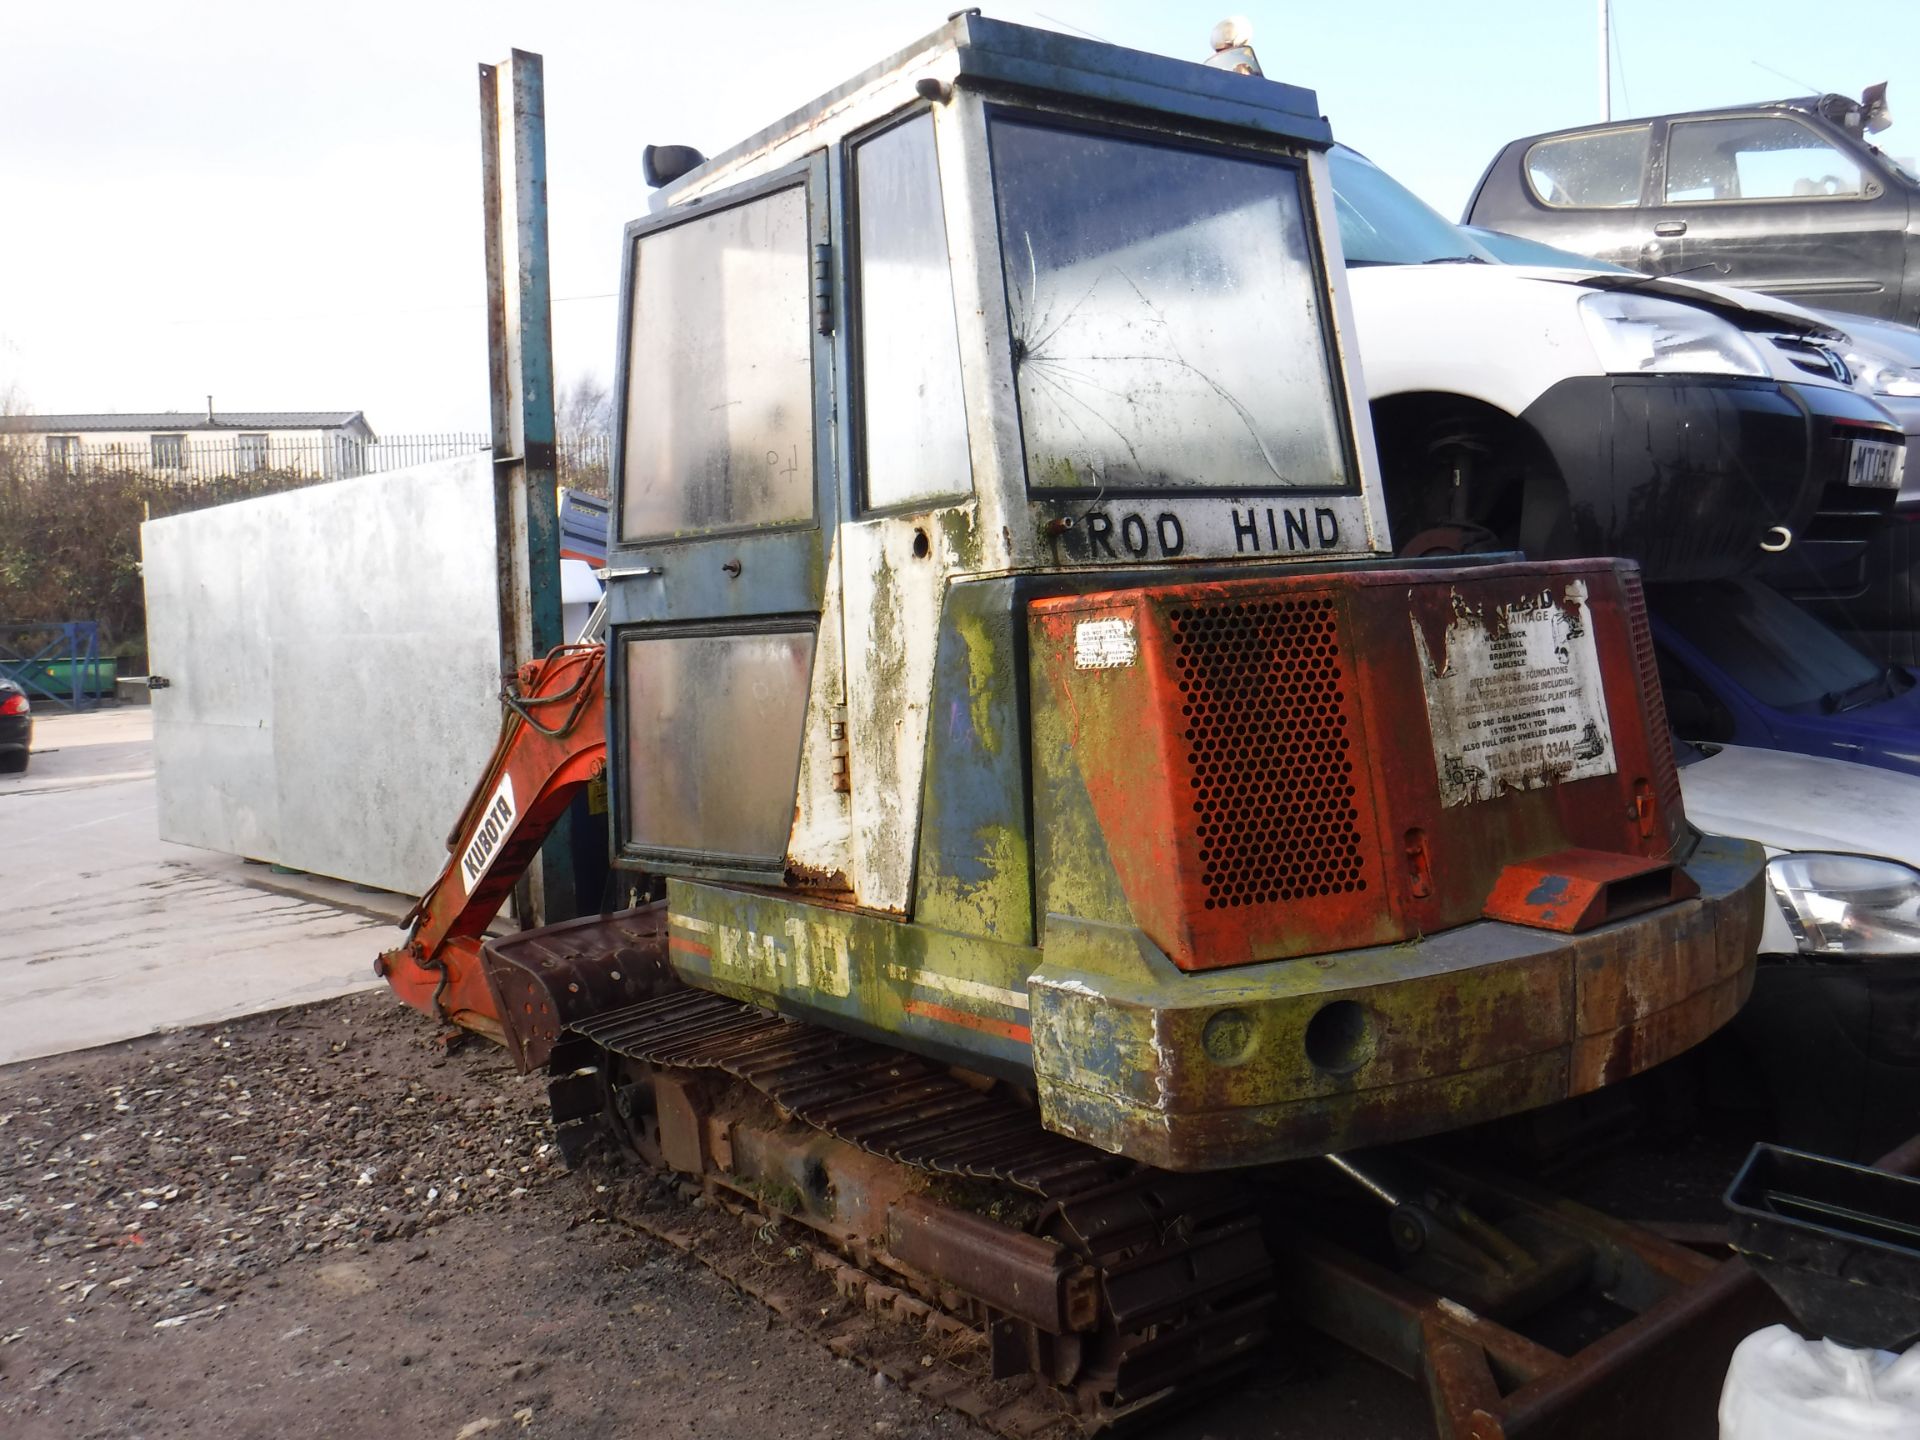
point(583, 461)
point(58, 661)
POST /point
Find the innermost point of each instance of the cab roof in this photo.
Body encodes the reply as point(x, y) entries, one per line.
point(997, 55)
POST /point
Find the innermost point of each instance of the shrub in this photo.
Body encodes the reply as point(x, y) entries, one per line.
point(70, 542)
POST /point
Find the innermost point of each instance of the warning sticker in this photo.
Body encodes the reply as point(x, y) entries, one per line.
point(1104, 644)
point(1515, 700)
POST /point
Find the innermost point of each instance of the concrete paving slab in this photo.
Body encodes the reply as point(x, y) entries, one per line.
point(108, 932)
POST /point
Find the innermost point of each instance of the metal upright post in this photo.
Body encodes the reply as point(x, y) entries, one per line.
point(513, 148)
point(1606, 62)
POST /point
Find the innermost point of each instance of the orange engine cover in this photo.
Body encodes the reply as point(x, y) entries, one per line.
point(1292, 765)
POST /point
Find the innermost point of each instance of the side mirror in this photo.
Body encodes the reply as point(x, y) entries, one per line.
point(1873, 105)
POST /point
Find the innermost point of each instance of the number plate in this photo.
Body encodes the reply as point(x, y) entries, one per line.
point(1875, 464)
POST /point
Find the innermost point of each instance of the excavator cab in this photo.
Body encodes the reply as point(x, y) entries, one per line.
point(953, 328)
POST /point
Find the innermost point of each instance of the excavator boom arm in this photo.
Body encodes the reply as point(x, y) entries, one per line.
point(553, 740)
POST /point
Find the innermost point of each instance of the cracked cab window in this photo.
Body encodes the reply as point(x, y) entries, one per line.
point(719, 425)
point(1167, 330)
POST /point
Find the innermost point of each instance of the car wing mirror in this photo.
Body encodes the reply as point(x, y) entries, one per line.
point(1873, 108)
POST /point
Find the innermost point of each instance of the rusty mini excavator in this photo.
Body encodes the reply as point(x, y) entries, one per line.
point(1060, 820)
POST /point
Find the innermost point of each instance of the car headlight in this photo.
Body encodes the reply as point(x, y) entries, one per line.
point(1882, 371)
point(1645, 335)
point(1848, 904)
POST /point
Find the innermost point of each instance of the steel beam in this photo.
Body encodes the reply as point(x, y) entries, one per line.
point(513, 150)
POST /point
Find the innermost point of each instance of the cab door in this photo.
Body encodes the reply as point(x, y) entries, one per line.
point(724, 511)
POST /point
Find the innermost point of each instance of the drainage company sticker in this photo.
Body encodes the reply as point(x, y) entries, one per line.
point(495, 821)
point(1104, 644)
point(1515, 700)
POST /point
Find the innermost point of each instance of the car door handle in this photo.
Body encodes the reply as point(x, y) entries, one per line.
point(1671, 227)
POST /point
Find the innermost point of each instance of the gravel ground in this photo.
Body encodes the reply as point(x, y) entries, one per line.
point(317, 1222)
point(320, 1223)
point(221, 1154)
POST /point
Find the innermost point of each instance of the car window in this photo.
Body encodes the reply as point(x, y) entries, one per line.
point(1384, 223)
point(1755, 157)
point(1773, 649)
point(1602, 169)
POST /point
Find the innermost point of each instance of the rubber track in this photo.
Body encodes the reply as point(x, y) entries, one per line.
point(885, 1101)
point(1020, 1409)
point(1185, 1277)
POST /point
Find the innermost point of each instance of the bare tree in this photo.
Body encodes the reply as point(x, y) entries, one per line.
point(13, 401)
point(583, 407)
point(583, 425)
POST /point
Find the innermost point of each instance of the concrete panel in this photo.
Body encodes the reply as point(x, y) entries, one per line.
point(333, 659)
point(205, 577)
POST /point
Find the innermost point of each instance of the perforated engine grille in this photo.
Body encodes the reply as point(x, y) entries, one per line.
point(1271, 774)
point(1659, 742)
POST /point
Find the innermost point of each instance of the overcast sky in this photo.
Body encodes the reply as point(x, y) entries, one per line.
point(279, 204)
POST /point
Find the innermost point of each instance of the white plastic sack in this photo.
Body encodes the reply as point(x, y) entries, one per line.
point(580, 590)
point(1781, 1387)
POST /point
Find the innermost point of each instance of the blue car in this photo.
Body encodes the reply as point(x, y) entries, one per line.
point(1743, 665)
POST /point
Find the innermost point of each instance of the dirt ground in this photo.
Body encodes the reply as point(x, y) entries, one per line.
point(316, 1222)
point(313, 1223)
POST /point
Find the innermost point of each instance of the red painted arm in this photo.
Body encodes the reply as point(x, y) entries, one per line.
point(553, 741)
